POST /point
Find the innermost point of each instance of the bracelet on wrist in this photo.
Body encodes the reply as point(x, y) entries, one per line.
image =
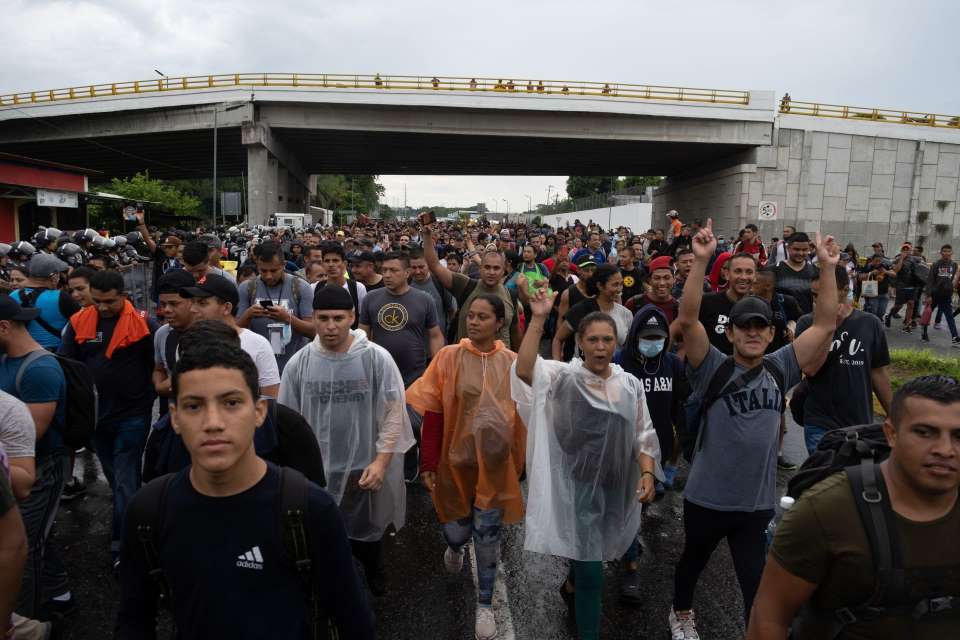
point(652, 475)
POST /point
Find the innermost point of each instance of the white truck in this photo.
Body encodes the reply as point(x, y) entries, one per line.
point(292, 220)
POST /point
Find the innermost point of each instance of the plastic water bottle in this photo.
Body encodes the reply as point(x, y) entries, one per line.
point(785, 503)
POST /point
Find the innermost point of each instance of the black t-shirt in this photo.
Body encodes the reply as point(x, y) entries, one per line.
point(224, 559)
point(575, 314)
point(632, 283)
point(841, 392)
point(785, 309)
point(715, 316)
point(124, 381)
point(796, 283)
point(373, 287)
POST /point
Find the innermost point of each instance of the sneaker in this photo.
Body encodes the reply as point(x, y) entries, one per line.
point(682, 626)
point(630, 587)
point(73, 488)
point(486, 626)
point(784, 464)
point(938, 326)
point(886, 320)
point(453, 560)
point(895, 316)
point(956, 342)
point(59, 606)
point(31, 629)
point(569, 599)
point(907, 328)
point(925, 337)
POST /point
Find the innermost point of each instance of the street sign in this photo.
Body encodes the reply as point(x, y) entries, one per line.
point(50, 198)
point(768, 210)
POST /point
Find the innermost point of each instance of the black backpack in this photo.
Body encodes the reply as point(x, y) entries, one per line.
point(146, 513)
point(721, 384)
point(857, 451)
point(80, 411)
point(28, 300)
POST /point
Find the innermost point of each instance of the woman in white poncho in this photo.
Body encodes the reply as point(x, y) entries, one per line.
point(592, 456)
point(351, 392)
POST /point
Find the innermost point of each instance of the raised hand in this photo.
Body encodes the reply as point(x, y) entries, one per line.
point(704, 244)
point(828, 251)
point(541, 303)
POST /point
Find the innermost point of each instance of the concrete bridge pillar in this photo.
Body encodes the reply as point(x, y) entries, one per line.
point(276, 178)
point(261, 184)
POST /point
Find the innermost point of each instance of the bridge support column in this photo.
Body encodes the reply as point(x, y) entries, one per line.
point(276, 178)
point(261, 184)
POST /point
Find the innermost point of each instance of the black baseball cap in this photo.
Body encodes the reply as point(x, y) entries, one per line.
point(364, 256)
point(751, 308)
point(651, 323)
point(10, 309)
point(212, 285)
point(175, 280)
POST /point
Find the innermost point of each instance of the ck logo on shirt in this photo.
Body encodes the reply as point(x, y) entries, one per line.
point(251, 559)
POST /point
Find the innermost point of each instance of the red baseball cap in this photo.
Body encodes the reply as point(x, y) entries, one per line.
point(661, 262)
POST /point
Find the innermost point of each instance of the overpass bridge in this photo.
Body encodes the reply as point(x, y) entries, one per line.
point(724, 151)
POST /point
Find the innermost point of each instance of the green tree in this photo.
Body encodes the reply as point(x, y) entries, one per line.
point(586, 186)
point(167, 198)
point(640, 181)
point(356, 192)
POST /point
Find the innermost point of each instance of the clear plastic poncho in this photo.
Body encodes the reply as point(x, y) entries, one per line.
point(354, 402)
point(484, 439)
point(585, 436)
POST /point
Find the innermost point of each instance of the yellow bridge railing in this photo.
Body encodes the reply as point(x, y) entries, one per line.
point(892, 116)
point(376, 81)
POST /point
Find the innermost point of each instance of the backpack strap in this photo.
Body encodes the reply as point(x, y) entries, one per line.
point(293, 510)
point(778, 378)
point(252, 291)
point(146, 512)
point(22, 370)
point(170, 349)
point(29, 301)
point(721, 385)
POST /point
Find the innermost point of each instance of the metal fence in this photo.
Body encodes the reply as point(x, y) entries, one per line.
point(598, 201)
point(890, 116)
point(504, 86)
point(138, 279)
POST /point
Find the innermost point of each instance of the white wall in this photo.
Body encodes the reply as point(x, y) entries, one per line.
point(636, 216)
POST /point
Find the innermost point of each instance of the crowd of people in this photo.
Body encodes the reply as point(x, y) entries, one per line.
point(262, 417)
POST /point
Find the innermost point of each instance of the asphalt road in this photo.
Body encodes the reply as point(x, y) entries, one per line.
point(425, 602)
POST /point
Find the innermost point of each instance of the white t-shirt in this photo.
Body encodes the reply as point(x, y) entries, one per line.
point(260, 350)
point(18, 434)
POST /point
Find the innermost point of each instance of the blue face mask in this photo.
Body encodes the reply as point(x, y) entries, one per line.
point(650, 348)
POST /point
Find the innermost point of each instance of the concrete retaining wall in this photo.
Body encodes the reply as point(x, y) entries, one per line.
point(859, 188)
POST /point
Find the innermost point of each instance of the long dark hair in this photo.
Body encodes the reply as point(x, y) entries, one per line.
point(599, 278)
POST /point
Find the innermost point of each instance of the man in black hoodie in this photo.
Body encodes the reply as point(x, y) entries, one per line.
point(646, 355)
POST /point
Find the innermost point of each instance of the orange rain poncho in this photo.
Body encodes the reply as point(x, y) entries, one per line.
point(484, 439)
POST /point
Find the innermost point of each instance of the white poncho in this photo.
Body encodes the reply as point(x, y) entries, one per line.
point(584, 437)
point(354, 402)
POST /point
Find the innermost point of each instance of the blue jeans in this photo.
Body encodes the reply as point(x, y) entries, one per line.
point(943, 303)
point(877, 306)
point(812, 436)
point(485, 527)
point(119, 446)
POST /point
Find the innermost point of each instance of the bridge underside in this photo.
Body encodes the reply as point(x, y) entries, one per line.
point(184, 154)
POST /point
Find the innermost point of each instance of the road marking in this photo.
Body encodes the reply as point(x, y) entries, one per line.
point(501, 602)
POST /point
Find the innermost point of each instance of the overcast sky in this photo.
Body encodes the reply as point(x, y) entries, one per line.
point(864, 53)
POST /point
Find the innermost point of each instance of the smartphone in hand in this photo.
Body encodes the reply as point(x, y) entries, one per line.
point(266, 303)
point(427, 217)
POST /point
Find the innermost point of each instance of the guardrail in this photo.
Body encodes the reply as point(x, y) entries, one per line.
point(891, 116)
point(376, 81)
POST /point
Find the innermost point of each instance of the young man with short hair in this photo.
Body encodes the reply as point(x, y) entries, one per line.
point(334, 263)
point(740, 272)
point(42, 389)
point(856, 368)
point(420, 278)
point(215, 298)
point(177, 312)
point(940, 286)
point(822, 568)
point(364, 269)
point(351, 392)
point(632, 274)
point(196, 261)
point(731, 489)
point(115, 341)
point(660, 278)
point(225, 508)
point(795, 274)
point(43, 292)
point(276, 305)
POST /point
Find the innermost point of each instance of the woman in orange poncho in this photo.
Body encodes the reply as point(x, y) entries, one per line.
point(472, 446)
